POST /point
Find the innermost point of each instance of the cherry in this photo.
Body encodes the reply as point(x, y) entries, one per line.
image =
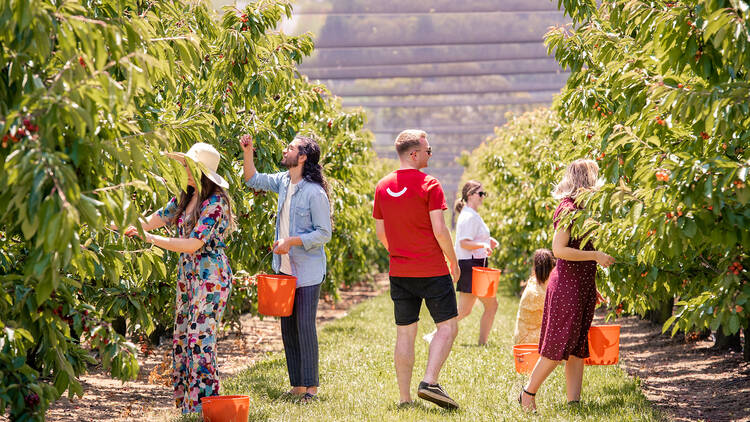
point(31, 399)
point(81, 61)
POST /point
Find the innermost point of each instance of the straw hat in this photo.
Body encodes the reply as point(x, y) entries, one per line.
point(208, 156)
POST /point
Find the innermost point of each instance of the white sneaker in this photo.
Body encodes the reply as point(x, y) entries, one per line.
point(428, 337)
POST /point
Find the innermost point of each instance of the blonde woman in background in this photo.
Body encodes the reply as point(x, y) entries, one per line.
point(571, 296)
point(531, 307)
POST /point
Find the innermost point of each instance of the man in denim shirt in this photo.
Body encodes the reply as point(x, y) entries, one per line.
point(303, 226)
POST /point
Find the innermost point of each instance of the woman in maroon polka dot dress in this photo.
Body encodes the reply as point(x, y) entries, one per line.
point(571, 293)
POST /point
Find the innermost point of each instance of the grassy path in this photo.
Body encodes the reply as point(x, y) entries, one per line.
point(358, 380)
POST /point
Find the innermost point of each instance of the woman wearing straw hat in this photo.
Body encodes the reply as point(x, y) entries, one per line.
point(204, 278)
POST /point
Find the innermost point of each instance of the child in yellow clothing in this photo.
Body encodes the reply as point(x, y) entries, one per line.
point(531, 307)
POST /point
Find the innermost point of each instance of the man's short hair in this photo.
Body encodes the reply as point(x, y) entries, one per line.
point(408, 140)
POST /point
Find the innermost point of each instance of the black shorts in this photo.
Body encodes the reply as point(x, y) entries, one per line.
point(438, 294)
point(466, 265)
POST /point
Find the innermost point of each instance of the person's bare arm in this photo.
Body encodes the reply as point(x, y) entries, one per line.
point(174, 244)
point(561, 250)
point(152, 222)
point(380, 232)
point(248, 155)
point(470, 245)
point(443, 236)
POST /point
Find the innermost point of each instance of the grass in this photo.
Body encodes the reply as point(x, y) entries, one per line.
point(358, 380)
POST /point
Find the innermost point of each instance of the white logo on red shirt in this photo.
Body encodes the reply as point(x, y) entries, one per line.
point(395, 194)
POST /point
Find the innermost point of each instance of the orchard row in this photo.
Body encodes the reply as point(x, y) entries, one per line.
point(92, 94)
point(657, 96)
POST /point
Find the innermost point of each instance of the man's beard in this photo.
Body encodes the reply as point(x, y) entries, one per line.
point(288, 164)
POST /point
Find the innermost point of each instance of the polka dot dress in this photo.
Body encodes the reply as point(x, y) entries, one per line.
point(569, 303)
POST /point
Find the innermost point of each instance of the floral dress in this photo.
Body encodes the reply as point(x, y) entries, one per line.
point(204, 280)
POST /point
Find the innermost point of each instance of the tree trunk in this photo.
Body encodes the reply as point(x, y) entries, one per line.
point(661, 313)
point(156, 335)
point(119, 325)
point(746, 354)
point(727, 342)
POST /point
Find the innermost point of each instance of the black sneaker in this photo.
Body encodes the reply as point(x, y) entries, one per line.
point(436, 394)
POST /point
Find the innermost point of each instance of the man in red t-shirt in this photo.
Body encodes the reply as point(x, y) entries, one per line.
point(409, 221)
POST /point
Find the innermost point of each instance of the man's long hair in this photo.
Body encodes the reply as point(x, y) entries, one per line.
point(312, 171)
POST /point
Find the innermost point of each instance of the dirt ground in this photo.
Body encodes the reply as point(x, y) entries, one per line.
point(687, 380)
point(149, 398)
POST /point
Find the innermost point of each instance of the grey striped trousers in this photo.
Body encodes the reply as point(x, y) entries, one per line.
point(300, 338)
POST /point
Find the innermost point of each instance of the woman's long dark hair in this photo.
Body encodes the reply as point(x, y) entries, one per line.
point(208, 188)
point(312, 170)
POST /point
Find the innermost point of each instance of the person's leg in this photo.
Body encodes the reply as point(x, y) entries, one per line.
point(290, 338)
point(406, 307)
point(542, 370)
point(440, 298)
point(488, 318)
point(180, 362)
point(440, 348)
point(210, 302)
point(573, 378)
point(466, 302)
point(403, 358)
point(308, 337)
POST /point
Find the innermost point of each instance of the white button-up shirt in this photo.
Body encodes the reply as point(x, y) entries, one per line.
point(470, 226)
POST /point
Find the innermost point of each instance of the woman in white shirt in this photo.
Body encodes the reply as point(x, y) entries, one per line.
point(473, 246)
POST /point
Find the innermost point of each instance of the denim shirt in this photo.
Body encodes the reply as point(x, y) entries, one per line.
point(309, 218)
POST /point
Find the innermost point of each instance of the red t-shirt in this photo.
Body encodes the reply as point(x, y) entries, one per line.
point(403, 200)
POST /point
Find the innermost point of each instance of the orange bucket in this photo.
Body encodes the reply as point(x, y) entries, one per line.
point(604, 345)
point(226, 408)
point(484, 281)
point(276, 294)
point(525, 356)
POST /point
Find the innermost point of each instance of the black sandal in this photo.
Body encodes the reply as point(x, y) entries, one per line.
point(520, 396)
point(307, 398)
